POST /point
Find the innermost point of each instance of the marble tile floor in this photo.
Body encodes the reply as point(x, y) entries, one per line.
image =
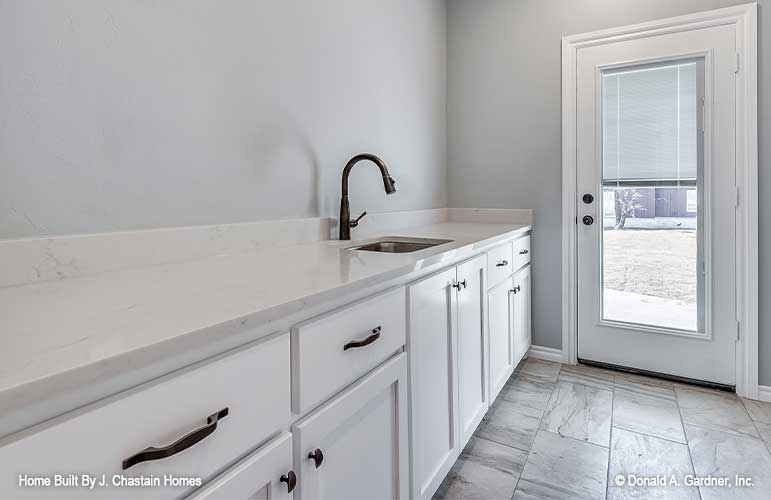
point(570, 432)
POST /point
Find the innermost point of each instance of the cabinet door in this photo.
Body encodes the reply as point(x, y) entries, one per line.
point(264, 474)
point(521, 309)
point(499, 304)
point(472, 346)
point(432, 348)
point(355, 446)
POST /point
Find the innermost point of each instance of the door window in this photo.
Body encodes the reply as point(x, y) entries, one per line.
point(652, 178)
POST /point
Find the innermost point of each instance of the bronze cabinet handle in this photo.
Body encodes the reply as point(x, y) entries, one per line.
point(183, 443)
point(317, 456)
point(524, 252)
point(502, 263)
point(290, 478)
point(355, 344)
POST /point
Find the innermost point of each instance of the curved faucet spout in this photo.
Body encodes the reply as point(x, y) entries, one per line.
point(345, 212)
point(388, 181)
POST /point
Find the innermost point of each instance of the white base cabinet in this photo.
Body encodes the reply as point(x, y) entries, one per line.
point(521, 314)
point(432, 347)
point(370, 420)
point(472, 347)
point(448, 369)
point(501, 336)
point(355, 446)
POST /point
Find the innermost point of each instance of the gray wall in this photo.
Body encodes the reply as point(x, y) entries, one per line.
point(504, 120)
point(136, 114)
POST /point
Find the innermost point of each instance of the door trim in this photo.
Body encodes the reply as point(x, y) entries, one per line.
point(744, 17)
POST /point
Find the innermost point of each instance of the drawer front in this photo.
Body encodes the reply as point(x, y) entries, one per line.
point(252, 384)
point(521, 252)
point(266, 473)
point(332, 351)
point(499, 264)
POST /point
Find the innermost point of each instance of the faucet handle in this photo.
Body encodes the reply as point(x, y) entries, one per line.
point(355, 222)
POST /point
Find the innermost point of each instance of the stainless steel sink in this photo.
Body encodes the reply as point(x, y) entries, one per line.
point(400, 245)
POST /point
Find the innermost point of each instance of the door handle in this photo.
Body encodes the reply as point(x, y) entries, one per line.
point(183, 443)
point(588, 220)
point(355, 344)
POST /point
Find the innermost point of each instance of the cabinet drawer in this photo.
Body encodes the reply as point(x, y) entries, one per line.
point(333, 350)
point(521, 252)
point(499, 264)
point(266, 473)
point(252, 385)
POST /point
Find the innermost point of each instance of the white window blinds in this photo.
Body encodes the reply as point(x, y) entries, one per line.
point(649, 121)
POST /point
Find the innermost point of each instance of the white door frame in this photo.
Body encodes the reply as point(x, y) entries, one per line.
point(744, 17)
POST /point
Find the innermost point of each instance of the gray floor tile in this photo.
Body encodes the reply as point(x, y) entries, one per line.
point(540, 369)
point(526, 391)
point(758, 410)
point(563, 468)
point(654, 413)
point(638, 382)
point(579, 412)
point(719, 453)
point(716, 410)
point(510, 424)
point(587, 375)
point(645, 456)
point(765, 432)
point(484, 471)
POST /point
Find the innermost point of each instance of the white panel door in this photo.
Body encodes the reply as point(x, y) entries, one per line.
point(356, 446)
point(472, 346)
point(521, 312)
point(656, 159)
point(432, 348)
point(500, 337)
point(264, 474)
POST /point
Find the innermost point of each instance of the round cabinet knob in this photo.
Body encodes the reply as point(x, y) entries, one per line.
point(588, 198)
point(588, 220)
point(317, 456)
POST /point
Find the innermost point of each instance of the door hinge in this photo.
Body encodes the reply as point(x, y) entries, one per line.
point(738, 63)
point(738, 197)
point(738, 330)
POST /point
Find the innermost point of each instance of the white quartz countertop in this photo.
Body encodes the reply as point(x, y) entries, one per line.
point(63, 333)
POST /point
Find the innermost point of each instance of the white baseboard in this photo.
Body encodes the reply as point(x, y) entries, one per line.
point(547, 354)
point(764, 393)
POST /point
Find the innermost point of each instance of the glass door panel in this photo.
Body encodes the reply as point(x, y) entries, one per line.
point(653, 266)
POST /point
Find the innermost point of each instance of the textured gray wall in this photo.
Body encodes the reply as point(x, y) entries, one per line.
point(504, 122)
point(135, 114)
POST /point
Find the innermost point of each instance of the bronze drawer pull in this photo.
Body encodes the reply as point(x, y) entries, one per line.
point(183, 443)
point(355, 344)
point(524, 252)
point(502, 263)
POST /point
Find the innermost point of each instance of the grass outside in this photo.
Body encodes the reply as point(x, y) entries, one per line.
point(658, 263)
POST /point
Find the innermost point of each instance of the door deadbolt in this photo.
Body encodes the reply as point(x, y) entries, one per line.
point(588, 198)
point(588, 220)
